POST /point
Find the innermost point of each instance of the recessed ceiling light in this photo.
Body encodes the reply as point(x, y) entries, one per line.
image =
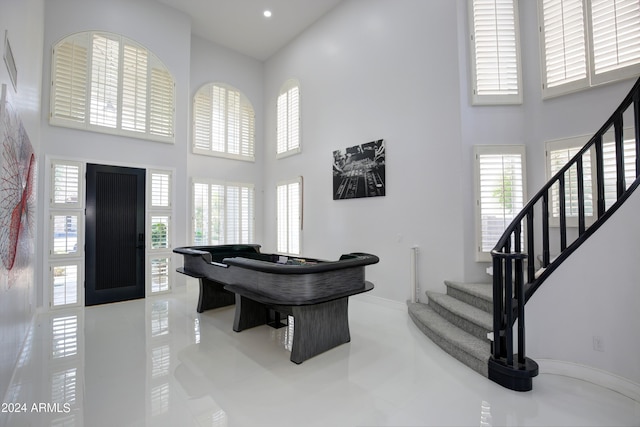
point(267, 13)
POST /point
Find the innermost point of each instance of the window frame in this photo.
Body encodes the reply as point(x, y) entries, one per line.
point(248, 220)
point(290, 120)
point(203, 131)
point(586, 34)
point(500, 150)
point(503, 96)
point(73, 206)
point(164, 209)
point(159, 103)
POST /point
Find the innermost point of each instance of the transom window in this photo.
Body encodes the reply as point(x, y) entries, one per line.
point(223, 123)
point(107, 83)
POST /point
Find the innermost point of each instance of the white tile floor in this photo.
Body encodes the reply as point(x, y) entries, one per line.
point(156, 362)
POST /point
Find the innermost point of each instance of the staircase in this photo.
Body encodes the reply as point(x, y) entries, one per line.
point(459, 322)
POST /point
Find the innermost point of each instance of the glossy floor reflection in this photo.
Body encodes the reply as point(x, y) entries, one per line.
point(156, 362)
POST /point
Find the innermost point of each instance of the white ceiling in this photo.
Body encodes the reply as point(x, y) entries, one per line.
point(241, 26)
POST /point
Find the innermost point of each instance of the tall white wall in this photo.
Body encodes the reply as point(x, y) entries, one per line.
point(376, 70)
point(23, 20)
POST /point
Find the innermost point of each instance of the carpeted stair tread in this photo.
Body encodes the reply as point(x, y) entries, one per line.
point(479, 295)
point(460, 312)
point(470, 350)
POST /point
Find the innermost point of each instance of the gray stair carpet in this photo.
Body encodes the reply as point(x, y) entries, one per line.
point(479, 295)
point(458, 322)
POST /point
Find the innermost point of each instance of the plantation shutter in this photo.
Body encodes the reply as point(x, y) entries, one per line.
point(616, 37)
point(500, 193)
point(200, 211)
point(247, 219)
point(232, 234)
point(203, 120)
point(65, 190)
point(219, 119)
point(223, 213)
point(495, 49)
point(70, 76)
point(224, 122)
point(160, 231)
point(134, 88)
point(563, 43)
point(102, 80)
point(162, 100)
point(288, 120)
point(217, 214)
point(248, 131)
point(239, 214)
point(103, 109)
point(289, 221)
point(160, 190)
point(160, 222)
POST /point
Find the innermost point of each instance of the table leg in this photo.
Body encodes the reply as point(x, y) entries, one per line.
point(213, 295)
point(249, 313)
point(318, 328)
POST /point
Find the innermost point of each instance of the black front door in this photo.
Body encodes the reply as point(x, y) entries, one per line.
point(114, 266)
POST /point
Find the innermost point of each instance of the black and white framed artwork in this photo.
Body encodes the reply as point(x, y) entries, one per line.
point(359, 171)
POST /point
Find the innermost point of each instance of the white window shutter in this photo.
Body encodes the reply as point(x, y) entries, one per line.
point(104, 82)
point(219, 119)
point(288, 119)
point(282, 123)
point(161, 102)
point(248, 131)
point(289, 216)
point(495, 48)
point(202, 120)
point(160, 231)
point(224, 123)
point(500, 193)
point(66, 184)
point(134, 88)
point(160, 189)
point(69, 93)
point(615, 26)
point(563, 44)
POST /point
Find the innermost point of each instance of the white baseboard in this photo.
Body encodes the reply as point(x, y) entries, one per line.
point(593, 375)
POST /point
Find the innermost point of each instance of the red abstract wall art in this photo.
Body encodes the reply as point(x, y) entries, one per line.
point(17, 182)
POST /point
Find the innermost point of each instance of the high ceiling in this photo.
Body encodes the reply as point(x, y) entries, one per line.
point(240, 24)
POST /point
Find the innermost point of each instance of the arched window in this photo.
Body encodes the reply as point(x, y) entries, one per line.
point(107, 83)
point(288, 116)
point(223, 122)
